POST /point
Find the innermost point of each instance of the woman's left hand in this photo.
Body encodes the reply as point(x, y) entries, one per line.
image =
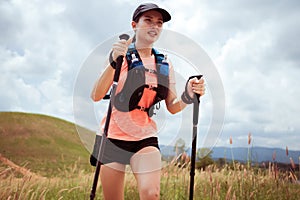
point(196, 85)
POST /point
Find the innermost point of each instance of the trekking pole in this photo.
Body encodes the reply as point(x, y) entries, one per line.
point(196, 104)
point(106, 126)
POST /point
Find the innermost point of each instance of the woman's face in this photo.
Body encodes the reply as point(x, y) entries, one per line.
point(149, 27)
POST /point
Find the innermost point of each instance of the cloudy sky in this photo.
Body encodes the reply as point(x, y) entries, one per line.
point(49, 52)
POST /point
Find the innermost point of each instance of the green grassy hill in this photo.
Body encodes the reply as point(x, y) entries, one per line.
point(43, 144)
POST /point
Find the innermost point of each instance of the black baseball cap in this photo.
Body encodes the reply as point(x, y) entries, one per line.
point(150, 6)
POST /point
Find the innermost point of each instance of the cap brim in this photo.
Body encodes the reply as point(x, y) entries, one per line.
point(165, 14)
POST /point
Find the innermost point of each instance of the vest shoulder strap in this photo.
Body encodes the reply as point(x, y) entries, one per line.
point(130, 51)
point(159, 56)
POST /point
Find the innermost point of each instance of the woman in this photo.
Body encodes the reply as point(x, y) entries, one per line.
point(132, 133)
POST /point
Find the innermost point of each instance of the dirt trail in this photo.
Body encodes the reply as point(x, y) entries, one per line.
point(18, 168)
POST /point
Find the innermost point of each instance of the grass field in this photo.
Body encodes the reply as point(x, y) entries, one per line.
point(48, 161)
point(44, 144)
point(213, 183)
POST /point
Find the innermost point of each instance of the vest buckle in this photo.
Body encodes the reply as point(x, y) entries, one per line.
point(141, 108)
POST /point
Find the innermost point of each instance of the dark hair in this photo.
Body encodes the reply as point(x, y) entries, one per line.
point(134, 38)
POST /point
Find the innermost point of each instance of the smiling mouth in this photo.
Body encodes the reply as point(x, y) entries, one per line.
point(152, 33)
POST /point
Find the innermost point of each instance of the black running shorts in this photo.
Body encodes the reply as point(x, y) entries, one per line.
point(119, 150)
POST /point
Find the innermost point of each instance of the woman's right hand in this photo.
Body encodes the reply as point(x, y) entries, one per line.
point(120, 48)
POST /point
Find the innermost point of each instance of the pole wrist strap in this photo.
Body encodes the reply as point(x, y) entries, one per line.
point(185, 97)
point(113, 63)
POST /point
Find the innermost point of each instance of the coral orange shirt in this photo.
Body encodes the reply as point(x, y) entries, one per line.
point(136, 124)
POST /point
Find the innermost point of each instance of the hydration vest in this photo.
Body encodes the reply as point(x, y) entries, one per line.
point(129, 97)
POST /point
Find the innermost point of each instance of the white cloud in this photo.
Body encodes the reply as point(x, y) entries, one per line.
point(40, 57)
point(260, 82)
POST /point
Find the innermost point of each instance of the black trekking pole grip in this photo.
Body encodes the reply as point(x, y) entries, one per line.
point(120, 60)
point(102, 144)
point(196, 101)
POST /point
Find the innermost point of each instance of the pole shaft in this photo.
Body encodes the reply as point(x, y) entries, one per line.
point(193, 163)
point(106, 126)
point(194, 144)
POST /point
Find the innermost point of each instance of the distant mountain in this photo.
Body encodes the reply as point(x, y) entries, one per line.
point(257, 154)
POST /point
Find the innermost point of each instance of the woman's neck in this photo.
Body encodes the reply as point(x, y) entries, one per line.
point(144, 50)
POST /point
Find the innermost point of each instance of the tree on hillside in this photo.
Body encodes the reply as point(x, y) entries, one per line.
point(179, 147)
point(220, 162)
point(204, 158)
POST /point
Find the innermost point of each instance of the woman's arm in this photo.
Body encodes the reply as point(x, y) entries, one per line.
point(103, 84)
point(175, 105)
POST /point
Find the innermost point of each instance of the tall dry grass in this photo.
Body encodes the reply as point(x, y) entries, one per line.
point(213, 183)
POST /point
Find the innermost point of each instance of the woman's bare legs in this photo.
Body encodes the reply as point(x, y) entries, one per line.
point(112, 180)
point(146, 166)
